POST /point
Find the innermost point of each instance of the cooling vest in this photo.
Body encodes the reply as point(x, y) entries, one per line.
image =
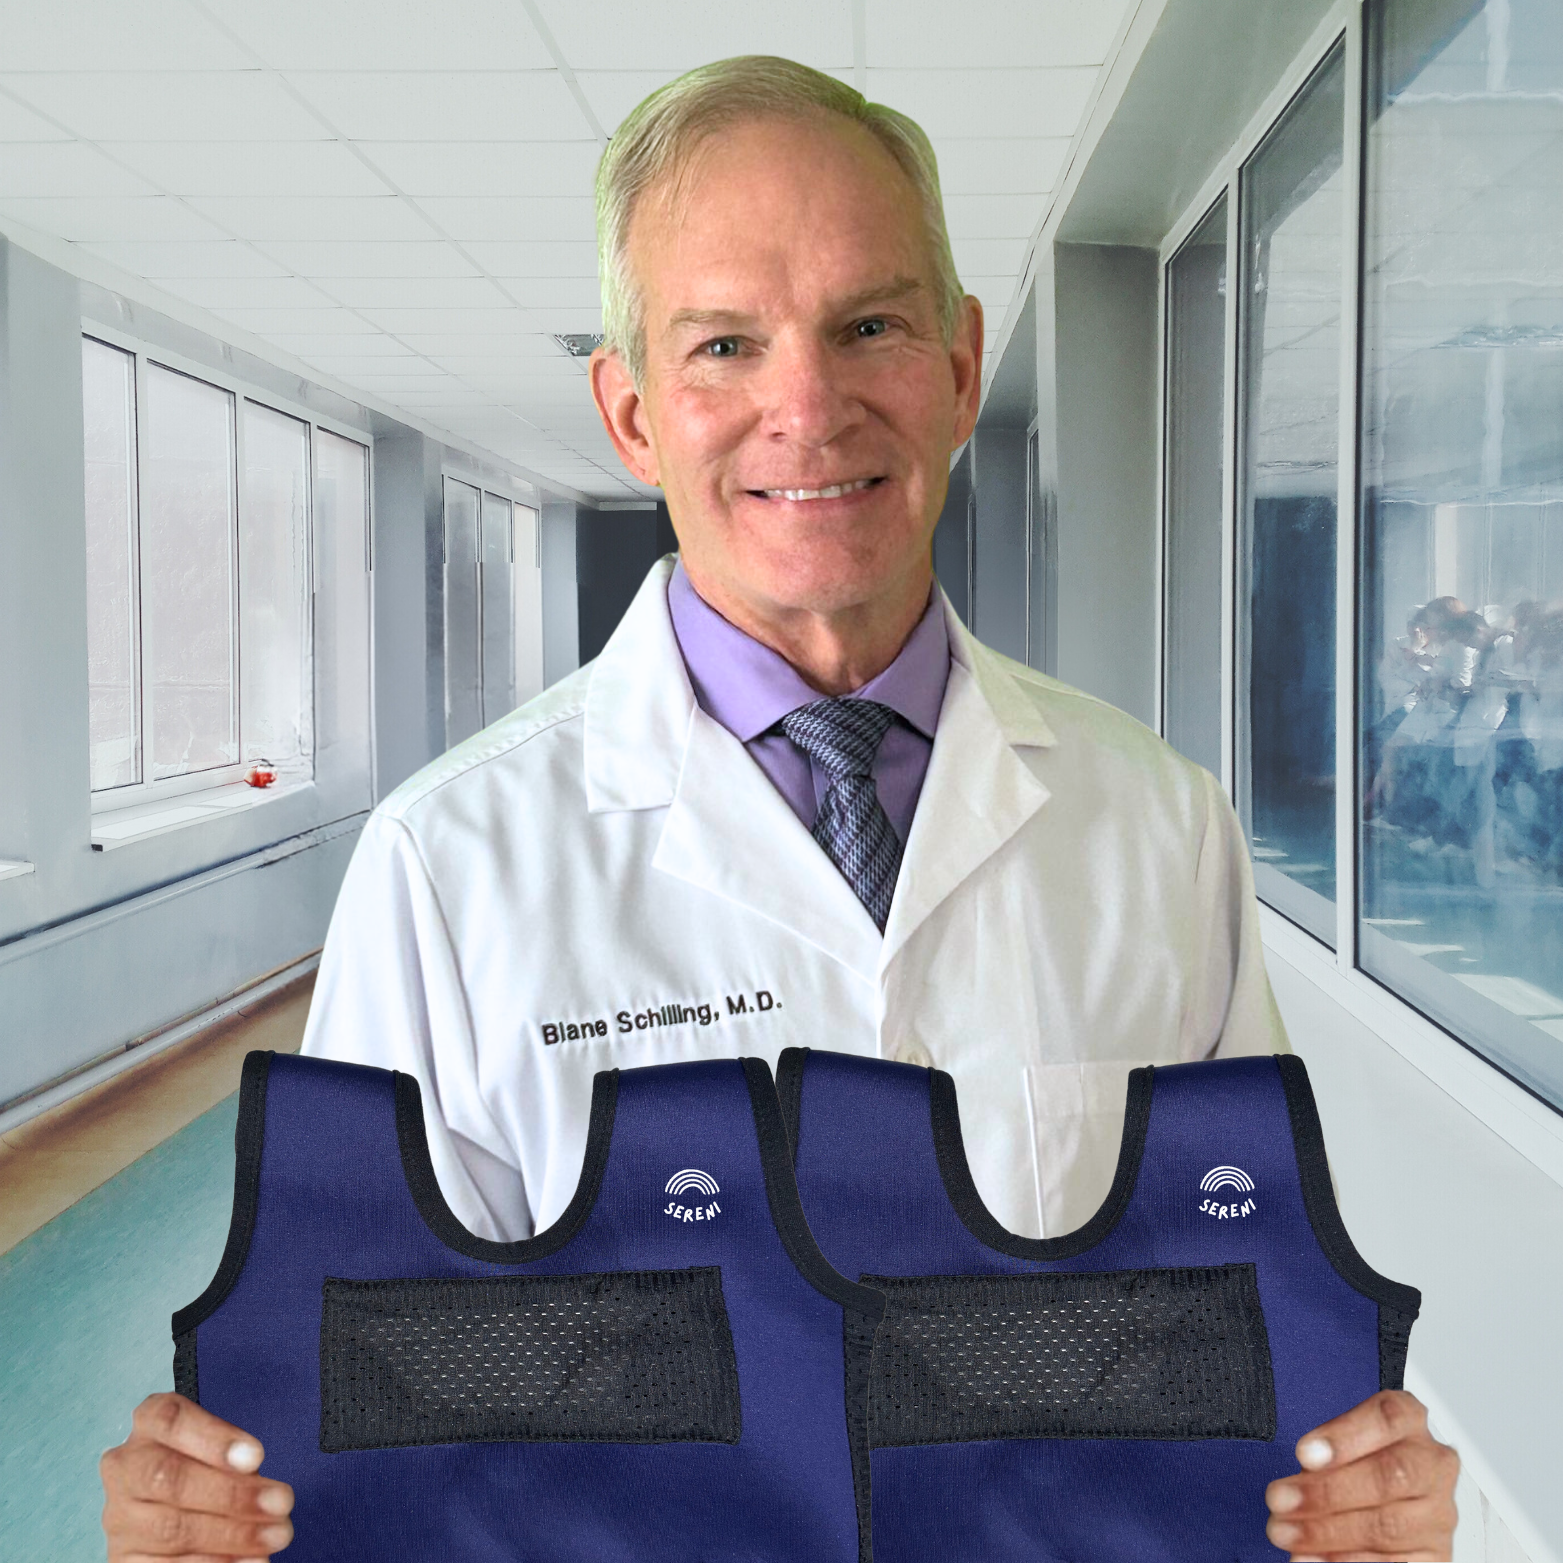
point(1122, 1394)
point(659, 1375)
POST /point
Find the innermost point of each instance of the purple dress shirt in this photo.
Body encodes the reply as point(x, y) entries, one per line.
point(749, 688)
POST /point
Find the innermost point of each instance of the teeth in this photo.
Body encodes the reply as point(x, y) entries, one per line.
point(835, 491)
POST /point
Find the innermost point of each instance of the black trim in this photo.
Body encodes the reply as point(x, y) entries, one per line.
point(1313, 1170)
point(857, 1347)
point(441, 1220)
point(950, 1148)
point(781, 1190)
point(789, 1091)
point(249, 1134)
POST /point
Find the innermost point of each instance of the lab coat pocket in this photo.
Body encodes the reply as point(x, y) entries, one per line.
point(1077, 1127)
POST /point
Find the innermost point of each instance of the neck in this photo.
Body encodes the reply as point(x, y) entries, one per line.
point(834, 651)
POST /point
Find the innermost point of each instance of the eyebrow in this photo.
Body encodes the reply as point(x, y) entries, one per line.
point(882, 293)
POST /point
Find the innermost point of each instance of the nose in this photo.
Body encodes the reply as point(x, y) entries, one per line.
point(809, 399)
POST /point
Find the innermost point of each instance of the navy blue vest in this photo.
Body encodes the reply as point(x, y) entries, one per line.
point(659, 1375)
point(1124, 1392)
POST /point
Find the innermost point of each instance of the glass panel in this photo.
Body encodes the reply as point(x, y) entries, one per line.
point(341, 532)
point(108, 396)
point(1196, 460)
point(463, 615)
point(187, 573)
point(276, 700)
point(499, 668)
point(1289, 322)
point(1462, 524)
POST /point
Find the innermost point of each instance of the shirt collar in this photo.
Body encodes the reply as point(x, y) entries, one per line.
point(749, 688)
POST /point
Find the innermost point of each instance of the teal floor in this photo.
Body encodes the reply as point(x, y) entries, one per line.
point(84, 1324)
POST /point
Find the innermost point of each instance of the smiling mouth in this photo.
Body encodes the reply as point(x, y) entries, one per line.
point(835, 491)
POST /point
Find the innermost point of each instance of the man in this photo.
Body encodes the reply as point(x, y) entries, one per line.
point(623, 872)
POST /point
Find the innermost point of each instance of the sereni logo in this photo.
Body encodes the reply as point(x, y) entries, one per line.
point(703, 1185)
point(1219, 1178)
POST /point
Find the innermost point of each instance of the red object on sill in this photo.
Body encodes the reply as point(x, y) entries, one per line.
point(261, 774)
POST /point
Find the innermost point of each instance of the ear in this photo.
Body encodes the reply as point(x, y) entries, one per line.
point(966, 362)
point(623, 412)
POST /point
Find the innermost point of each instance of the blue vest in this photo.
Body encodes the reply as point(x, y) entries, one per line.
point(661, 1374)
point(1124, 1392)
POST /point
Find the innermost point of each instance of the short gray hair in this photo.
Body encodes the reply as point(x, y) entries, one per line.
point(658, 137)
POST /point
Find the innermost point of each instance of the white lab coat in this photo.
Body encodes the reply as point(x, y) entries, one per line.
point(1075, 899)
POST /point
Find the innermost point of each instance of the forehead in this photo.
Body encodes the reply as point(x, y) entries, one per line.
point(777, 212)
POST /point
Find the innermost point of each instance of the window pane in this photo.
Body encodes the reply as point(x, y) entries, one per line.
point(499, 667)
point(108, 394)
point(187, 573)
point(276, 701)
point(1462, 521)
point(463, 615)
point(1196, 426)
point(341, 533)
point(1289, 321)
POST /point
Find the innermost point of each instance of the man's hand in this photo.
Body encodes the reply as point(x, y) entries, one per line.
point(1376, 1487)
point(181, 1487)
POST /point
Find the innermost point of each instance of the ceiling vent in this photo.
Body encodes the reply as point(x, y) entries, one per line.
point(579, 344)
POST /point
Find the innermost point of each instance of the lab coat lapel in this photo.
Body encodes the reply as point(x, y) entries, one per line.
point(977, 793)
point(731, 832)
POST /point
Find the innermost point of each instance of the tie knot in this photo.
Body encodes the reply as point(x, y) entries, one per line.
point(841, 735)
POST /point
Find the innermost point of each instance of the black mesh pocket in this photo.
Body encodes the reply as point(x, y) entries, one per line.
point(1394, 1342)
point(1122, 1354)
point(633, 1357)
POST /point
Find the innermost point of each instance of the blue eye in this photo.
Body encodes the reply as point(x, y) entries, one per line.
point(722, 347)
point(872, 328)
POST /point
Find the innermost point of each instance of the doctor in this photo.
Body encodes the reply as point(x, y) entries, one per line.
point(690, 848)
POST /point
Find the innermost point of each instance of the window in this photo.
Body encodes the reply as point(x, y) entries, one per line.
point(200, 576)
point(1196, 287)
point(1461, 617)
point(1291, 196)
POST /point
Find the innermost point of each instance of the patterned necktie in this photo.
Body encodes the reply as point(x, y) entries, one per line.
point(842, 736)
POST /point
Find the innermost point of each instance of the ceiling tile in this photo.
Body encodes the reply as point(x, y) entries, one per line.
point(108, 35)
point(509, 218)
point(628, 34)
point(357, 337)
point(981, 165)
point(435, 388)
point(63, 168)
point(612, 94)
point(445, 105)
point(426, 321)
point(995, 102)
point(988, 257)
point(20, 123)
point(535, 257)
point(415, 292)
point(98, 219)
point(513, 366)
point(160, 261)
point(554, 292)
point(314, 217)
point(465, 346)
point(313, 321)
point(228, 293)
point(366, 258)
point(388, 35)
point(251, 168)
point(350, 366)
point(992, 216)
point(488, 168)
point(991, 32)
point(168, 105)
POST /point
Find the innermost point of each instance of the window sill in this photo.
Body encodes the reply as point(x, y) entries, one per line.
point(12, 868)
point(120, 827)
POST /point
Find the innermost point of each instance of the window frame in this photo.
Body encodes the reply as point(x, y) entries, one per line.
point(1526, 1121)
point(112, 800)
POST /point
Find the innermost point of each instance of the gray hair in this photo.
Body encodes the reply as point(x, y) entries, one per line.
point(658, 137)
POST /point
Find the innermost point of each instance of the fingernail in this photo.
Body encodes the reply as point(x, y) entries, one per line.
point(1284, 1499)
point(276, 1536)
point(1281, 1533)
point(1315, 1452)
point(274, 1500)
point(243, 1455)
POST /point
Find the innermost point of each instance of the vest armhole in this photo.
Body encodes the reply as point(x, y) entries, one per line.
point(789, 1092)
point(1329, 1230)
point(781, 1191)
point(959, 1185)
point(249, 1134)
point(423, 1186)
